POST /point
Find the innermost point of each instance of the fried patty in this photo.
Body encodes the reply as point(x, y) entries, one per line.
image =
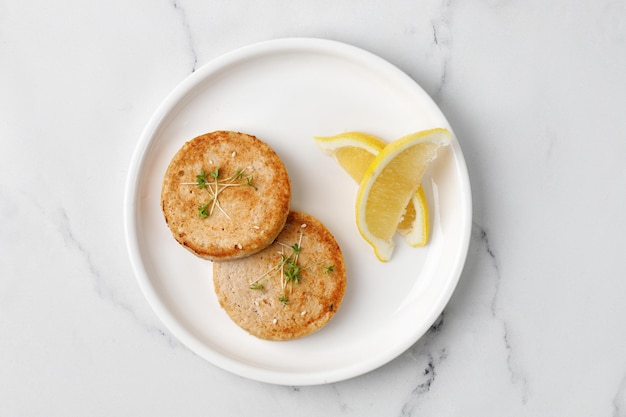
point(225, 195)
point(290, 289)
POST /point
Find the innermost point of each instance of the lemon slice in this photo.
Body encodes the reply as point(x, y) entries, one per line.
point(390, 182)
point(355, 151)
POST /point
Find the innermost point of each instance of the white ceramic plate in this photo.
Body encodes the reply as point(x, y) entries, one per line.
point(285, 92)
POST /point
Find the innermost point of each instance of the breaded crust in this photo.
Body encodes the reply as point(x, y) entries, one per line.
point(306, 306)
point(253, 195)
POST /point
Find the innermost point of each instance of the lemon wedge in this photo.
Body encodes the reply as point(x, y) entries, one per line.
point(390, 182)
point(355, 151)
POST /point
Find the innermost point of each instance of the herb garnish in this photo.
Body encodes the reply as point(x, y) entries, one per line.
point(214, 185)
point(290, 270)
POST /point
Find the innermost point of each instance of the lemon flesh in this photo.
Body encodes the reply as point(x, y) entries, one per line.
point(415, 228)
point(389, 183)
point(354, 161)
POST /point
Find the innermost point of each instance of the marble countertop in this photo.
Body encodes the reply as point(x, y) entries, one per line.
point(535, 93)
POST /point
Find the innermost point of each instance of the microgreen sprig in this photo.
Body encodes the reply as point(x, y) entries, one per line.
point(289, 268)
point(214, 185)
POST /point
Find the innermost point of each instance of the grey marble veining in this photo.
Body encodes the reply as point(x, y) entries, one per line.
point(187, 30)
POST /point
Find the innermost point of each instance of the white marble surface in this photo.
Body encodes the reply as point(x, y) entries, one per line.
point(535, 92)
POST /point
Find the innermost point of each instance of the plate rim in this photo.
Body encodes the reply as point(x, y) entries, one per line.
point(138, 159)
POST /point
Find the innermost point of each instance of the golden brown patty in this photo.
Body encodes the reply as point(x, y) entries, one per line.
point(258, 295)
point(252, 188)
